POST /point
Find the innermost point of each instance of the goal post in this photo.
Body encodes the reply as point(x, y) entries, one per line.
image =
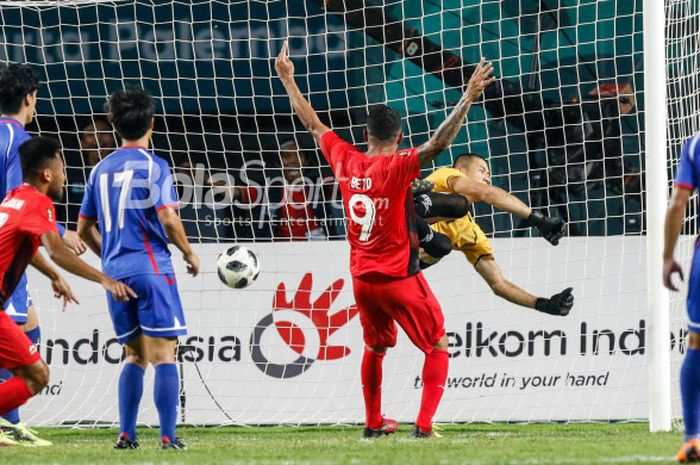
point(655, 130)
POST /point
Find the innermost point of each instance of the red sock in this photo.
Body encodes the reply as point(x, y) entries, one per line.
point(372, 387)
point(434, 376)
point(13, 393)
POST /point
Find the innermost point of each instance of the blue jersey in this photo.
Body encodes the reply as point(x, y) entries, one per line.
point(687, 177)
point(12, 135)
point(124, 193)
point(688, 172)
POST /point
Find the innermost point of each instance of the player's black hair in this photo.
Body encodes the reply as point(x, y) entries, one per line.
point(130, 111)
point(36, 153)
point(463, 157)
point(383, 123)
point(16, 82)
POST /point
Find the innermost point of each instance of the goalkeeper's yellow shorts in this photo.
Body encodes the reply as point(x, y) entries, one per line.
point(467, 237)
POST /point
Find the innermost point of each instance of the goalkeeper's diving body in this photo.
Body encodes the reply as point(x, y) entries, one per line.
point(470, 178)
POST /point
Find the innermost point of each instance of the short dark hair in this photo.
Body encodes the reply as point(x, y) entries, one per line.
point(130, 111)
point(383, 123)
point(16, 82)
point(36, 153)
point(464, 157)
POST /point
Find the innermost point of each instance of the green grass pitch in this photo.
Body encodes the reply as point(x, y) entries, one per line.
point(533, 444)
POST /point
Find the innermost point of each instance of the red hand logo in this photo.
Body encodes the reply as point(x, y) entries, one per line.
point(318, 313)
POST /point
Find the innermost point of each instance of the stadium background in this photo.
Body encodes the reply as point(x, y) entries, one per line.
point(218, 102)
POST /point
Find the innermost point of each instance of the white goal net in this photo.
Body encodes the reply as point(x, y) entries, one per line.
point(683, 59)
point(561, 129)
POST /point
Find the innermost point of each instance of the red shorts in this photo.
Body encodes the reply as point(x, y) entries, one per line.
point(16, 350)
point(406, 301)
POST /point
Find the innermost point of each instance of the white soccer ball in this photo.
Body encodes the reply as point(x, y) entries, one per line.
point(238, 267)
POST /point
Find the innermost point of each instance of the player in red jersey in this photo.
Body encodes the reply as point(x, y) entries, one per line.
point(27, 220)
point(388, 285)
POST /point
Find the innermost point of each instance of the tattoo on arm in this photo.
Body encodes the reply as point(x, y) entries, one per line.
point(446, 133)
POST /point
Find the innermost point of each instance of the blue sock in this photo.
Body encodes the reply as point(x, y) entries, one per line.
point(13, 415)
point(166, 395)
point(130, 391)
point(690, 393)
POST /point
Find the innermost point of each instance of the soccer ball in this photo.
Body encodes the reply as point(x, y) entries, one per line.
point(238, 267)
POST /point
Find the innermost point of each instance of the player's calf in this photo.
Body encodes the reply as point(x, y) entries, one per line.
point(28, 381)
point(435, 244)
point(441, 205)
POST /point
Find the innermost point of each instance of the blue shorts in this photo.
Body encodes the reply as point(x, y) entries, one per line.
point(693, 301)
point(157, 312)
point(19, 302)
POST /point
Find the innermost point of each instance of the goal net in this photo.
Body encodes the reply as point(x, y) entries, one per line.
point(561, 129)
point(683, 59)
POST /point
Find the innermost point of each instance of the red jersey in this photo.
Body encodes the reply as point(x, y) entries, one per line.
point(379, 206)
point(25, 215)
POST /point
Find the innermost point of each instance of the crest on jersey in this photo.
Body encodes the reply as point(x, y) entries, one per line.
point(49, 213)
point(403, 153)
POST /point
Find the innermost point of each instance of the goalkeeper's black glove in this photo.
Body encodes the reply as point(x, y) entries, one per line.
point(421, 186)
point(551, 228)
point(558, 305)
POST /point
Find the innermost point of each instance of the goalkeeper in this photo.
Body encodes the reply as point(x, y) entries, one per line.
point(470, 177)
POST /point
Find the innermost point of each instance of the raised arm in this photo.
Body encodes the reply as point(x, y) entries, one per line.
point(303, 109)
point(672, 229)
point(449, 128)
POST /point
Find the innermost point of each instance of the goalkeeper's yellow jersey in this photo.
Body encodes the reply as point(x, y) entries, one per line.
point(465, 235)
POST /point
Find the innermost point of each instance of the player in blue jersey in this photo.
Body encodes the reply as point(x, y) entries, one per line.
point(687, 180)
point(18, 96)
point(131, 199)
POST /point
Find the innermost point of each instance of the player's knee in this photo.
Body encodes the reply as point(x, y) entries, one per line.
point(137, 359)
point(377, 349)
point(43, 376)
point(441, 344)
point(421, 205)
point(36, 376)
point(693, 340)
point(134, 353)
point(160, 350)
point(437, 245)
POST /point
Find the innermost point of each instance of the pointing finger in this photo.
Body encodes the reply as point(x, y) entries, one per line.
point(131, 292)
